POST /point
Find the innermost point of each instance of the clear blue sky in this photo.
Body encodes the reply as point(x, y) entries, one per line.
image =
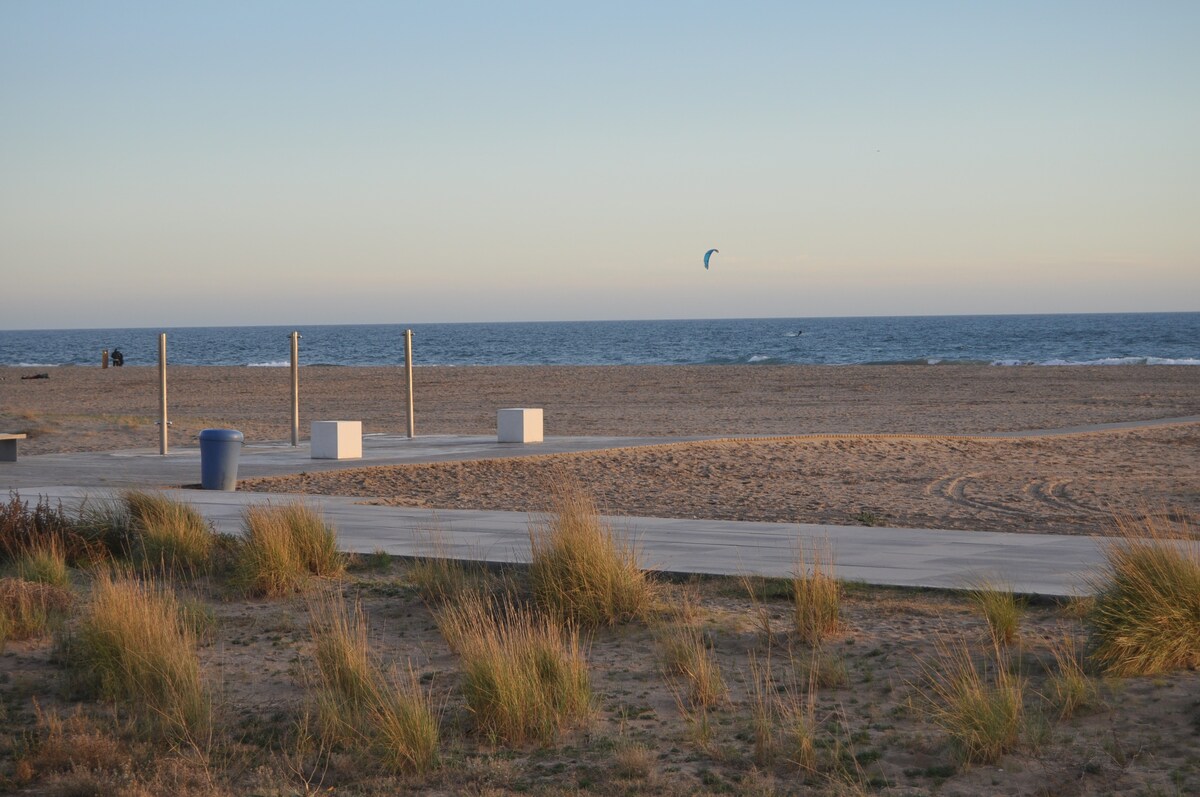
point(288, 162)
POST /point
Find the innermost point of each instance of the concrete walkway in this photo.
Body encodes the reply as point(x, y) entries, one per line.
point(1045, 564)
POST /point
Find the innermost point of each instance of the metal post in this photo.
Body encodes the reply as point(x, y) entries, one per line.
point(162, 393)
point(295, 388)
point(408, 365)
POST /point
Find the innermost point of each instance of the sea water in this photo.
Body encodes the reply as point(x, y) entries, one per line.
point(1001, 340)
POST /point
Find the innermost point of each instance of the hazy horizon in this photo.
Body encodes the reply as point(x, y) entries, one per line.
point(224, 164)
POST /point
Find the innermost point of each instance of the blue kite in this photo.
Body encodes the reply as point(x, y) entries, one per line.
point(707, 255)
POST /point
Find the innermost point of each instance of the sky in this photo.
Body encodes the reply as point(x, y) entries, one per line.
point(253, 162)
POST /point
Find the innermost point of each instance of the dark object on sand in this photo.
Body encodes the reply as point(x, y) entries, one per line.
point(37, 376)
point(118, 359)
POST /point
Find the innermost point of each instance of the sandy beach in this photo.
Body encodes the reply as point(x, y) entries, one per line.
point(1070, 483)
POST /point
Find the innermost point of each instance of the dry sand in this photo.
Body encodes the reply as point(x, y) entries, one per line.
point(1066, 484)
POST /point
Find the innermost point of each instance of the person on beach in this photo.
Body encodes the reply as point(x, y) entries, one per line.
point(118, 359)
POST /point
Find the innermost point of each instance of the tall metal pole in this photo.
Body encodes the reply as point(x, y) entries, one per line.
point(295, 388)
point(408, 365)
point(162, 393)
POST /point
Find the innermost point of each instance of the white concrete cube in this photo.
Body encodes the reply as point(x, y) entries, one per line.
point(519, 425)
point(336, 440)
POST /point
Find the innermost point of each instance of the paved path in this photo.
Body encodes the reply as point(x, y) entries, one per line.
point(1046, 564)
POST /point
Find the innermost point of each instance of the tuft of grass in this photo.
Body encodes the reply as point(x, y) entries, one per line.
point(1146, 615)
point(633, 761)
point(784, 716)
point(359, 707)
point(132, 644)
point(166, 533)
point(282, 548)
point(524, 674)
point(29, 609)
point(816, 595)
point(1070, 687)
point(580, 570)
point(44, 563)
point(686, 653)
point(980, 705)
point(315, 540)
point(1000, 608)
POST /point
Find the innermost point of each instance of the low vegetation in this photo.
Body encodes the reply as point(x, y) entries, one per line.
point(133, 644)
point(524, 675)
point(283, 548)
point(1000, 608)
point(979, 703)
point(166, 534)
point(387, 718)
point(435, 676)
point(816, 594)
point(44, 563)
point(580, 571)
point(30, 609)
point(44, 525)
point(1146, 615)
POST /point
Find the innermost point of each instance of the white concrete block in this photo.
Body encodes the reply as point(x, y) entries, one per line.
point(336, 440)
point(519, 425)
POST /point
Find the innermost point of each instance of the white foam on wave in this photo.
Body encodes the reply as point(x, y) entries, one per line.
point(1106, 361)
point(35, 365)
point(758, 358)
point(272, 364)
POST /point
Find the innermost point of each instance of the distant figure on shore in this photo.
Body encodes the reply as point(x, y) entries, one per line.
point(118, 359)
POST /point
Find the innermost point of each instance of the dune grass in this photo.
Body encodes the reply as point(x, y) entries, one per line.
point(1000, 608)
point(686, 653)
point(283, 548)
point(30, 609)
point(1069, 687)
point(524, 673)
point(816, 594)
point(167, 534)
point(979, 704)
point(1146, 615)
point(580, 571)
point(44, 563)
point(133, 645)
point(784, 715)
point(389, 716)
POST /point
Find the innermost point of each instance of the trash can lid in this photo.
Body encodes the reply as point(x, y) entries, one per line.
point(223, 435)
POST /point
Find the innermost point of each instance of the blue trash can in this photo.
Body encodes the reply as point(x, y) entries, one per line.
point(219, 450)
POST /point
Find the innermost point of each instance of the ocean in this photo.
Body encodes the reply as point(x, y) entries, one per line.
point(1000, 340)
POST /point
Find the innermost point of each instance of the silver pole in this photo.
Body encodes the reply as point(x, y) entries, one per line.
point(295, 388)
point(162, 393)
point(408, 365)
